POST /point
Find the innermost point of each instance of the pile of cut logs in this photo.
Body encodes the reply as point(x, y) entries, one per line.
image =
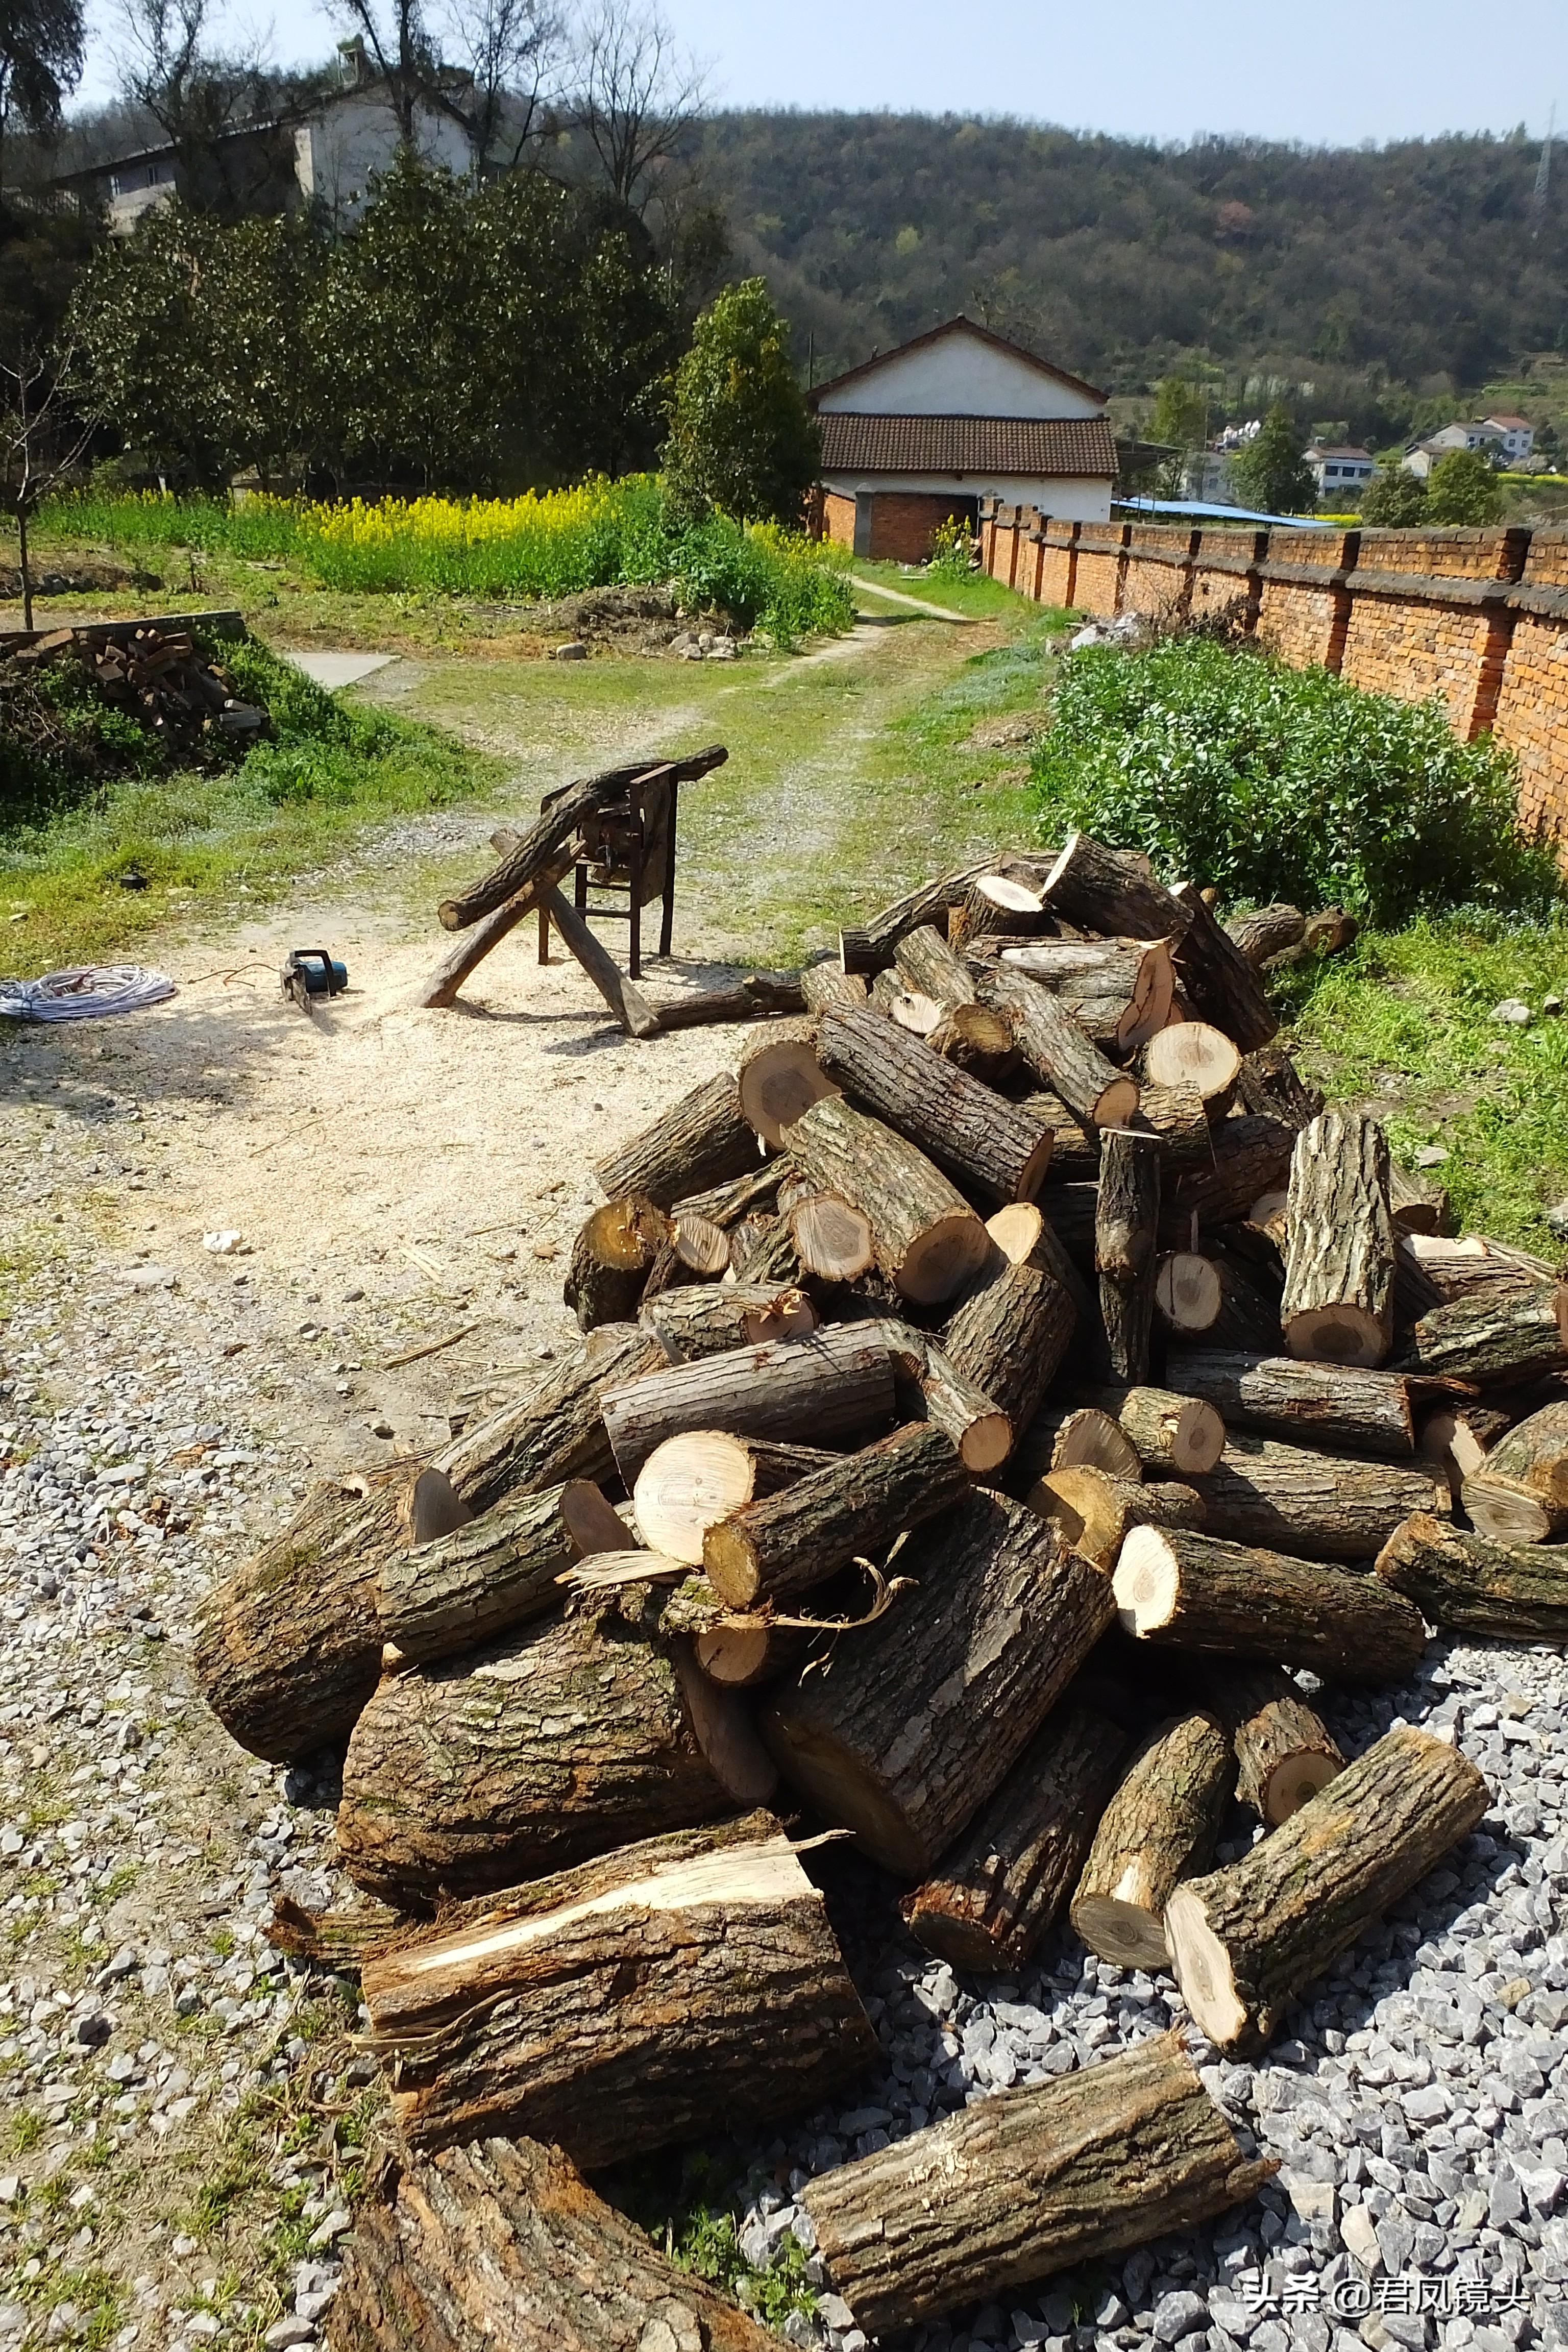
point(157, 677)
point(976, 1436)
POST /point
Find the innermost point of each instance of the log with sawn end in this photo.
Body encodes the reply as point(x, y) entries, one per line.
point(1467, 1584)
point(854, 1507)
point(1338, 1404)
point(498, 1570)
point(1520, 1494)
point(1094, 1514)
point(1313, 1506)
point(1010, 1334)
point(703, 1139)
point(691, 1481)
point(1198, 1592)
point(834, 1384)
point(1284, 1754)
point(611, 1257)
point(927, 1238)
point(1159, 1826)
point(1050, 1041)
point(1338, 1303)
point(973, 1133)
point(1516, 1336)
point(704, 1319)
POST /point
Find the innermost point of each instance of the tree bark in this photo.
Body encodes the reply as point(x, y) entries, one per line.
point(1266, 931)
point(1173, 1434)
point(1468, 1584)
point(1339, 1267)
point(826, 988)
point(931, 1387)
point(780, 1077)
point(1014, 2189)
point(558, 1743)
point(1075, 1150)
point(702, 1139)
point(505, 2243)
point(912, 1727)
point(727, 1204)
point(928, 1240)
point(758, 996)
point(1269, 1081)
point(960, 1124)
point(1198, 1592)
point(1193, 1053)
point(1103, 890)
point(1082, 1439)
point(1516, 1336)
point(498, 1571)
point(1519, 1495)
point(995, 1894)
point(1247, 1938)
point(870, 947)
point(1126, 1223)
point(442, 987)
point(611, 1257)
point(852, 1507)
point(1418, 1206)
point(1118, 990)
point(834, 1384)
point(704, 1319)
point(616, 2007)
point(1056, 1049)
point(558, 1431)
point(1220, 983)
point(623, 997)
point(1284, 1754)
point(1158, 1828)
point(1251, 1155)
point(1313, 1506)
point(1009, 1336)
point(1093, 1513)
point(690, 1483)
point(1178, 1116)
point(1372, 1411)
point(926, 964)
point(995, 907)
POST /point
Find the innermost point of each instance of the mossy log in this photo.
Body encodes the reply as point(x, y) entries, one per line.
point(1158, 1827)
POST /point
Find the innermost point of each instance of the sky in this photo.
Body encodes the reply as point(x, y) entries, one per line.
point(1346, 72)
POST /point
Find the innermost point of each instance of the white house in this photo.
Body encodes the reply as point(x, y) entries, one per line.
point(1340, 472)
point(1518, 436)
point(917, 434)
point(1420, 457)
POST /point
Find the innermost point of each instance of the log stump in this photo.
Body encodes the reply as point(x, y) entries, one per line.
point(1159, 1827)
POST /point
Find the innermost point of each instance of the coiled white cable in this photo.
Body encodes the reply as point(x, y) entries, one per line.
point(84, 992)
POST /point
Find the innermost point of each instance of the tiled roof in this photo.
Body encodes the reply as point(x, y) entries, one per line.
point(1029, 445)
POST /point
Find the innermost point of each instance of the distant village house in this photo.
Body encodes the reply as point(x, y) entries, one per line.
point(1339, 471)
point(1511, 438)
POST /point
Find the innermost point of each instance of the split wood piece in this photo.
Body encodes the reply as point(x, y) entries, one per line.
point(1197, 1593)
point(704, 1319)
point(505, 2243)
point(1468, 1584)
point(702, 1247)
point(1118, 990)
point(993, 1897)
point(1193, 1054)
point(559, 823)
point(830, 1238)
point(852, 1508)
point(1011, 2190)
point(1334, 1403)
point(1247, 1940)
point(1082, 1439)
point(1266, 931)
point(1093, 1513)
point(931, 1387)
point(1075, 1151)
point(1514, 1336)
point(1418, 1206)
point(560, 1742)
point(976, 1038)
point(963, 1126)
point(928, 966)
point(1284, 1754)
point(1126, 1227)
point(498, 1571)
point(704, 1138)
point(1106, 891)
point(755, 998)
point(612, 1258)
point(869, 948)
point(1219, 982)
point(780, 1077)
point(523, 2015)
point(1173, 1433)
point(837, 1383)
point(691, 1481)
point(1519, 1495)
point(915, 1723)
point(1316, 1505)
point(623, 997)
point(1269, 1081)
point(825, 988)
point(1159, 1828)
point(1251, 1155)
point(996, 906)
point(1056, 1049)
point(725, 1204)
point(1338, 1305)
point(1457, 1438)
point(1178, 1116)
point(927, 1241)
point(442, 988)
point(1009, 1335)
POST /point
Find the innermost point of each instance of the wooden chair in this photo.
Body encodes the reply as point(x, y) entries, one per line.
point(628, 846)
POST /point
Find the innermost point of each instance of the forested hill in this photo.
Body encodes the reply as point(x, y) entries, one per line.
point(1418, 261)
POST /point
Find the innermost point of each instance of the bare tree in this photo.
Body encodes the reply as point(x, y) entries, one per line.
point(41, 44)
point(400, 49)
point(637, 94)
point(511, 52)
point(196, 96)
point(42, 436)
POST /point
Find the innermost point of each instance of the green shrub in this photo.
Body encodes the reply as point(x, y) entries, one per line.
point(951, 553)
point(1271, 782)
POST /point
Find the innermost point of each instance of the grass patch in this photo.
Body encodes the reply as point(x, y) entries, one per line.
point(691, 2215)
point(976, 595)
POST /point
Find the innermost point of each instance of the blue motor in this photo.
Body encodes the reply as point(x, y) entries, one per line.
point(311, 973)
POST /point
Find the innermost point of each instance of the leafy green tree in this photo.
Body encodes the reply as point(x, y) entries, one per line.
point(41, 47)
point(1271, 473)
point(742, 437)
point(1463, 489)
point(1181, 413)
point(1395, 499)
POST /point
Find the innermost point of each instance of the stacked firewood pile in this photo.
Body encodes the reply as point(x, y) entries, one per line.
point(156, 676)
point(975, 1434)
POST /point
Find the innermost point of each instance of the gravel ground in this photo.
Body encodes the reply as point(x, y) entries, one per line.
point(184, 2117)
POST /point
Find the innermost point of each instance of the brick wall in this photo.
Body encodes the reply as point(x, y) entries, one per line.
point(902, 522)
point(839, 519)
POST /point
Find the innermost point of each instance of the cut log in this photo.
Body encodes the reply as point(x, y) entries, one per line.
point(523, 2015)
point(1193, 1054)
point(911, 1011)
point(704, 1319)
point(1025, 1237)
point(1178, 1116)
point(1266, 931)
point(1468, 1584)
point(1118, 990)
point(726, 1204)
point(996, 906)
point(870, 947)
point(745, 1653)
point(1173, 1434)
point(975, 1038)
point(704, 1138)
point(1432, 1271)
point(1093, 1513)
point(702, 1247)
point(498, 1571)
point(556, 1432)
point(1248, 1319)
point(928, 1240)
point(1338, 1305)
point(1417, 1205)
point(1284, 1754)
point(1011, 2190)
point(1009, 1336)
point(610, 1260)
point(929, 967)
point(1251, 1154)
point(831, 1239)
point(505, 2243)
point(1187, 1294)
point(1515, 1336)
point(1104, 890)
point(852, 1508)
point(1316, 1505)
point(691, 1481)
point(1330, 931)
point(559, 822)
point(1197, 1593)
point(917, 1723)
point(1519, 1495)
point(1082, 1439)
point(558, 1743)
point(1372, 1411)
point(993, 1897)
point(1075, 1150)
point(780, 1077)
point(1247, 1939)
point(960, 1125)
point(442, 987)
point(1457, 1438)
point(1159, 1828)
point(1126, 1227)
point(1269, 1081)
point(1220, 985)
point(623, 997)
point(930, 1387)
point(837, 1383)
point(1056, 1049)
point(755, 998)
point(824, 987)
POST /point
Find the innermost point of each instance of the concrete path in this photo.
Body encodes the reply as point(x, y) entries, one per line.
point(915, 603)
point(333, 670)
